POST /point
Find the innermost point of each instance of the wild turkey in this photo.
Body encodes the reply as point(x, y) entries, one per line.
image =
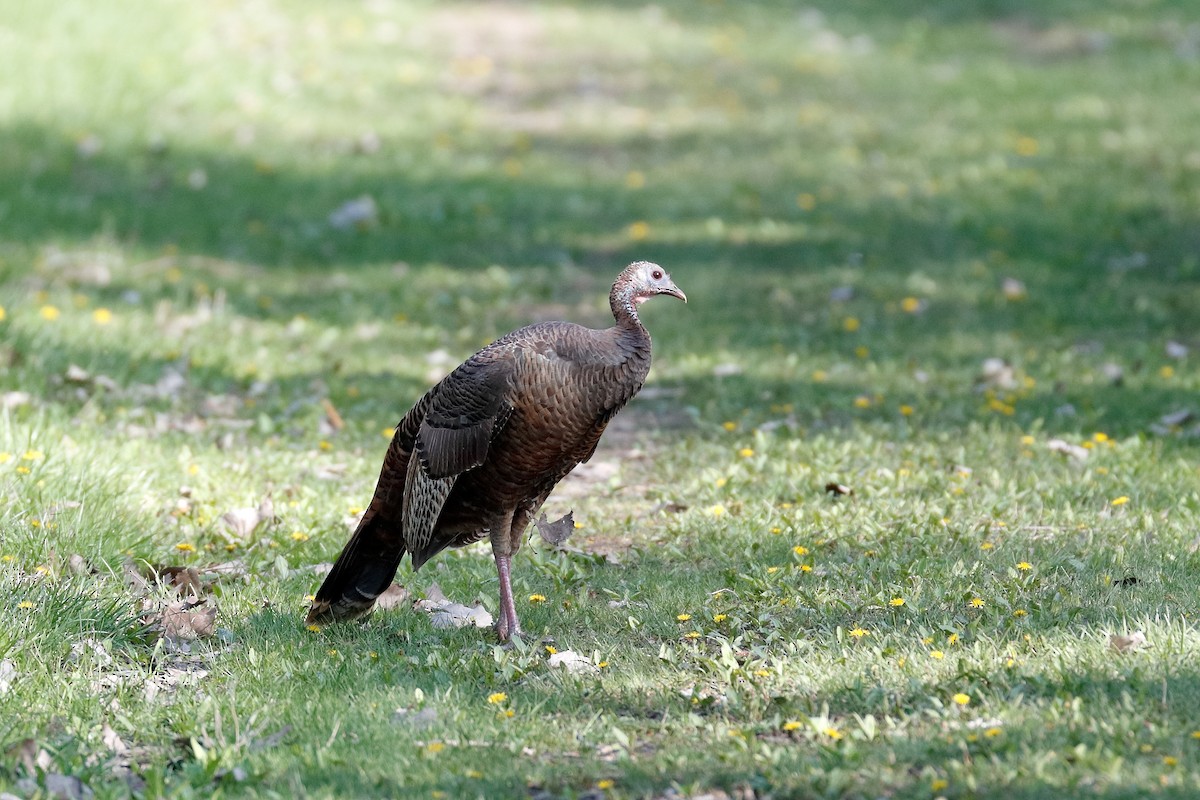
point(481, 451)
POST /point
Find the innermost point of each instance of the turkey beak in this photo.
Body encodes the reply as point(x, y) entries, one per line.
point(674, 291)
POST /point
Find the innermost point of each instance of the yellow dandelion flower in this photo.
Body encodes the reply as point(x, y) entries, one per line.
point(716, 510)
point(308, 598)
point(911, 305)
point(102, 316)
point(23, 470)
point(776, 530)
point(692, 635)
point(952, 638)
point(862, 401)
point(25, 604)
point(938, 784)
point(1166, 371)
point(537, 598)
point(1024, 566)
point(806, 201)
point(433, 748)
point(800, 550)
point(851, 324)
point(1170, 761)
point(906, 410)
point(185, 547)
point(605, 784)
point(388, 433)
point(993, 732)
point(862, 351)
point(496, 698)
point(683, 617)
point(578, 525)
point(961, 699)
point(1196, 734)
point(602, 665)
point(551, 649)
point(719, 482)
point(720, 617)
point(805, 568)
point(299, 536)
point(772, 570)
point(792, 725)
point(3, 314)
point(745, 452)
point(833, 733)
point(639, 230)
point(313, 628)
point(858, 633)
point(49, 313)
point(33, 455)
point(986, 546)
point(1020, 612)
point(820, 376)
point(937, 654)
point(729, 425)
point(5, 458)
point(896, 602)
point(1120, 501)
point(332, 652)
point(976, 602)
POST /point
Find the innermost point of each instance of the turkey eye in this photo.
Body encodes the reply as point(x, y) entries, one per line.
point(657, 274)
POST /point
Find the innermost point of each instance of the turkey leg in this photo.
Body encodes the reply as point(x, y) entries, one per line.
point(509, 625)
point(502, 549)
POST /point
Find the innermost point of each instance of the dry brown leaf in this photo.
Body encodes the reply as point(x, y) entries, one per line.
point(1123, 644)
point(557, 532)
point(112, 741)
point(573, 663)
point(393, 597)
point(838, 488)
point(331, 415)
point(8, 674)
point(242, 522)
point(1067, 449)
point(185, 620)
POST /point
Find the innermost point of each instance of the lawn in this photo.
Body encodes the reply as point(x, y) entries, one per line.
point(910, 505)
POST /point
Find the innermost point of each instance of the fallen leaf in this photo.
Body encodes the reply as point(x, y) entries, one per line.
point(444, 613)
point(8, 673)
point(112, 741)
point(360, 212)
point(573, 663)
point(838, 488)
point(996, 373)
point(1176, 350)
point(78, 565)
point(242, 522)
point(416, 719)
point(1067, 449)
point(10, 400)
point(1123, 644)
point(185, 620)
point(77, 374)
point(331, 415)
point(393, 597)
point(1177, 418)
point(557, 532)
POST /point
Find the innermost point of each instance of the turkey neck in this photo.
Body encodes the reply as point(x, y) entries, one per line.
point(630, 330)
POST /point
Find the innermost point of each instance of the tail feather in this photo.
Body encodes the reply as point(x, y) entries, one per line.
point(361, 573)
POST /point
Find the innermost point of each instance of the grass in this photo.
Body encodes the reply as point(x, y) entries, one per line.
point(864, 201)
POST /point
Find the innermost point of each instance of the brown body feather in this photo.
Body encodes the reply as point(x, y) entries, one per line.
point(479, 454)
